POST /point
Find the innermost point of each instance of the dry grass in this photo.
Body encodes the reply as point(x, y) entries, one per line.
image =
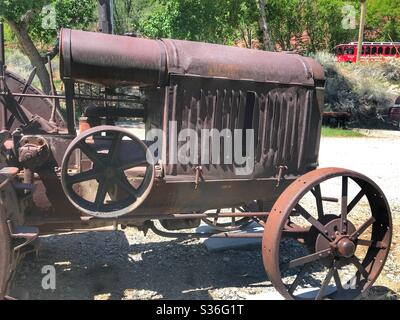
point(366, 90)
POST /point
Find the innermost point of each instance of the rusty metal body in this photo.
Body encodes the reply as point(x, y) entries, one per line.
point(204, 86)
point(200, 86)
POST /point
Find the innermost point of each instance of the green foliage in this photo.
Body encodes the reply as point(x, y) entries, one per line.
point(218, 21)
point(16, 9)
point(322, 19)
point(201, 20)
point(129, 13)
point(78, 14)
point(383, 20)
point(284, 21)
point(8, 35)
point(226, 21)
point(340, 133)
point(19, 63)
point(59, 13)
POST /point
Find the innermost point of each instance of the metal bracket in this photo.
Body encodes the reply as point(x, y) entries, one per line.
point(281, 171)
point(159, 170)
point(28, 234)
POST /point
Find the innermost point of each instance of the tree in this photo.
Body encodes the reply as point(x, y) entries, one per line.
point(199, 20)
point(268, 45)
point(128, 14)
point(273, 22)
point(317, 21)
point(242, 22)
point(323, 19)
point(32, 21)
point(383, 20)
point(223, 21)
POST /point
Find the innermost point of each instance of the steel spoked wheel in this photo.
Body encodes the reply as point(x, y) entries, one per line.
point(345, 239)
point(109, 158)
point(233, 223)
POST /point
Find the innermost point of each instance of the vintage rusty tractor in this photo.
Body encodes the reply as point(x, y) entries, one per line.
point(327, 231)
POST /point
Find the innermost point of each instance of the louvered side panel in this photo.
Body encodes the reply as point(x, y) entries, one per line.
point(283, 118)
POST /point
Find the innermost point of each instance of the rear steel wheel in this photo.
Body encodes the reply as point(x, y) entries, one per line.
point(347, 240)
point(36, 106)
point(102, 188)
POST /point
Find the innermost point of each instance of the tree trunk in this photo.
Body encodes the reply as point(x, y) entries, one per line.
point(29, 49)
point(268, 45)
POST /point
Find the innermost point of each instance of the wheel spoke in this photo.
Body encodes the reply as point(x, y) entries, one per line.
point(318, 225)
point(133, 164)
point(330, 199)
point(306, 259)
point(372, 244)
point(101, 193)
point(91, 154)
point(356, 199)
point(84, 176)
point(298, 279)
point(114, 149)
point(324, 285)
point(338, 282)
point(122, 181)
point(354, 260)
point(362, 228)
point(259, 221)
point(343, 213)
point(215, 220)
point(318, 199)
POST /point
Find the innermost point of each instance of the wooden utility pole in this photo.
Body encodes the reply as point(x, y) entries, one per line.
point(362, 26)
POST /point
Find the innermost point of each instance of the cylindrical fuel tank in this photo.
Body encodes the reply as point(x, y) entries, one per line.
point(113, 60)
point(110, 60)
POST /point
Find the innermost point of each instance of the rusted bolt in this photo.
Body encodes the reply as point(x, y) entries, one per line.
point(199, 171)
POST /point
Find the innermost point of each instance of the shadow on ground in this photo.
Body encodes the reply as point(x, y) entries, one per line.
point(104, 263)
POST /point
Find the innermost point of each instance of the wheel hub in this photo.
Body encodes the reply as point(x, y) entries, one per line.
point(345, 247)
point(340, 244)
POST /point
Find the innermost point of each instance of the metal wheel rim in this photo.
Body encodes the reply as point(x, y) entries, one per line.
point(283, 208)
point(113, 211)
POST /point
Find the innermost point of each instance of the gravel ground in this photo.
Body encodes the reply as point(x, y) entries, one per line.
point(126, 265)
point(377, 158)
